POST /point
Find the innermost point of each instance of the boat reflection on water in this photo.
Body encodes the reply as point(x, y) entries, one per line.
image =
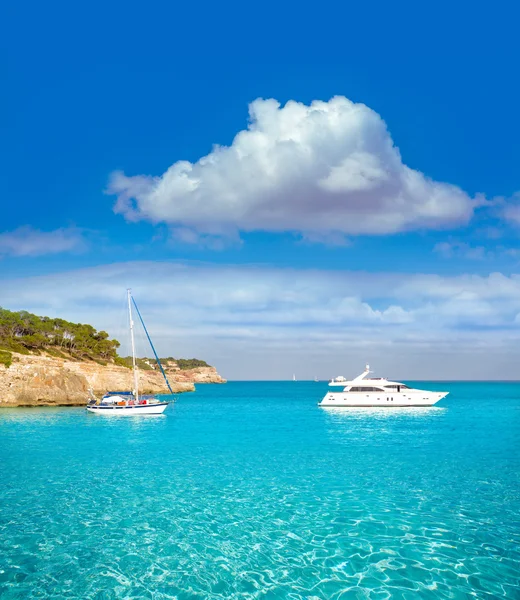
point(374, 429)
point(391, 412)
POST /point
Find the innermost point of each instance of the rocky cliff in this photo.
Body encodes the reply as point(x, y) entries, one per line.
point(44, 380)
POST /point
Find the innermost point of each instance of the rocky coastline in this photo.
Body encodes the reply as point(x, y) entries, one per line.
point(41, 380)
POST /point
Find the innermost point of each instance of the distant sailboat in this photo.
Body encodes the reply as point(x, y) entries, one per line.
point(315, 378)
point(294, 377)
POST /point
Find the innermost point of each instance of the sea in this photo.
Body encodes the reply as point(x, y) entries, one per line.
point(250, 490)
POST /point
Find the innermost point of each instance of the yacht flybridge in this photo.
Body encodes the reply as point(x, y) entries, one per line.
point(363, 391)
point(131, 403)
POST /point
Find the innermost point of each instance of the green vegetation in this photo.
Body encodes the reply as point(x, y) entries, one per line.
point(6, 358)
point(56, 353)
point(122, 362)
point(26, 333)
point(142, 363)
point(190, 363)
point(183, 363)
point(148, 364)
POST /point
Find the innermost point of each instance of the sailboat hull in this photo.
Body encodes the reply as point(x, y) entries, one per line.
point(128, 411)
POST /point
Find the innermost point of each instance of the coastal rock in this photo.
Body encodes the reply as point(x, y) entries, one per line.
point(43, 380)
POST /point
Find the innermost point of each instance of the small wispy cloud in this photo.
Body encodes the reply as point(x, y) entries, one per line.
point(330, 238)
point(187, 236)
point(27, 241)
point(461, 250)
point(465, 251)
point(509, 209)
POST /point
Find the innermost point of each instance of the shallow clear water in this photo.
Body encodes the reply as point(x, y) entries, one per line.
point(249, 490)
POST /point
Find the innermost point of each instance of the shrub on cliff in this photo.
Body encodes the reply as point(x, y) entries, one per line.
point(145, 364)
point(184, 363)
point(6, 358)
point(148, 364)
point(190, 363)
point(122, 362)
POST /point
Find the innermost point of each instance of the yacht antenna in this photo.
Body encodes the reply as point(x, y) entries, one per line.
point(134, 366)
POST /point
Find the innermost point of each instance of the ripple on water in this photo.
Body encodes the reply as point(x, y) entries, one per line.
point(265, 496)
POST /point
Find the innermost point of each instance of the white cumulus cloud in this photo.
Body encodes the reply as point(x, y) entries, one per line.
point(330, 167)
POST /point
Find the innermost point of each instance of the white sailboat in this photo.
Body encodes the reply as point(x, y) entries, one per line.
point(131, 403)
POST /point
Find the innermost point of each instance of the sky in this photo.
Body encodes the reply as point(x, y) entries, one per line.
point(286, 189)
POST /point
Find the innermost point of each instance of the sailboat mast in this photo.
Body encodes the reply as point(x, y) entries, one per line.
point(134, 366)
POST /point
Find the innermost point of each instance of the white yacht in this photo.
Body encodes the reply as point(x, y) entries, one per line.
point(363, 391)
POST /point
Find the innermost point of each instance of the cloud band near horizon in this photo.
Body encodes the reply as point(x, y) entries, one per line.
point(228, 314)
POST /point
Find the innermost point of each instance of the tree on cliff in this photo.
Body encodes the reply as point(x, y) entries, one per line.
point(26, 333)
point(23, 332)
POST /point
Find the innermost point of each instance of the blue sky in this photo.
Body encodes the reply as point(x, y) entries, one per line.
point(410, 178)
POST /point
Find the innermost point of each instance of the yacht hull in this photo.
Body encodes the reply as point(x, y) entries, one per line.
point(357, 400)
point(128, 411)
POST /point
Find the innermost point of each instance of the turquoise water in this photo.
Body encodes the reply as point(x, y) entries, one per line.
point(249, 490)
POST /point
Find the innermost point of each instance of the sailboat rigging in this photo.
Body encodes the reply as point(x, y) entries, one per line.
point(130, 402)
